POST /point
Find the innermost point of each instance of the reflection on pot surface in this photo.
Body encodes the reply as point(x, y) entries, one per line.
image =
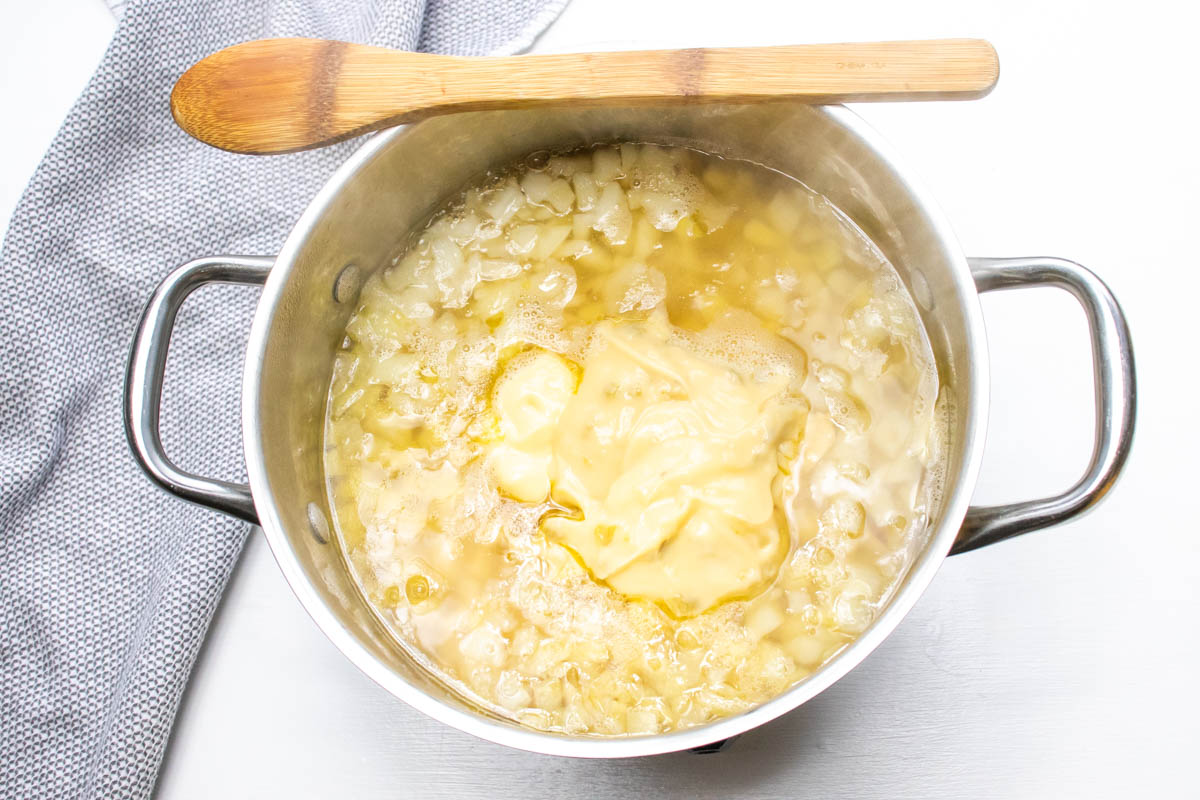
point(632, 438)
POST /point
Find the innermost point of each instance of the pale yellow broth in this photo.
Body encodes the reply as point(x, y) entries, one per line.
point(630, 439)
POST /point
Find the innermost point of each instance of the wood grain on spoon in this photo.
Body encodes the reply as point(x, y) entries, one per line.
point(283, 95)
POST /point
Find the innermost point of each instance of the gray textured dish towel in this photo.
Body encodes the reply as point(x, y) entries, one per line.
point(107, 584)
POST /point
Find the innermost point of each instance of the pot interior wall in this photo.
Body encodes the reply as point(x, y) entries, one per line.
point(413, 170)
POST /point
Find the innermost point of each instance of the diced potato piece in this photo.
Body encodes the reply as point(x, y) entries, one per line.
point(502, 202)
point(587, 191)
point(555, 283)
point(574, 248)
point(763, 617)
point(657, 160)
point(491, 299)
point(494, 248)
point(762, 234)
point(629, 157)
point(824, 255)
point(549, 239)
point(645, 239)
point(844, 517)
point(606, 164)
point(521, 239)
point(548, 694)
point(393, 370)
point(784, 212)
point(404, 270)
point(451, 273)
point(891, 440)
point(596, 257)
point(771, 303)
point(636, 287)
point(466, 228)
point(687, 228)
point(562, 197)
point(485, 644)
point(842, 281)
point(611, 217)
point(511, 692)
point(543, 189)
point(566, 165)
point(662, 209)
point(718, 178)
point(415, 302)
point(797, 600)
point(853, 609)
point(641, 722)
point(819, 436)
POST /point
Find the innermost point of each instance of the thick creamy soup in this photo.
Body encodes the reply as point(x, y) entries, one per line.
point(630, 439)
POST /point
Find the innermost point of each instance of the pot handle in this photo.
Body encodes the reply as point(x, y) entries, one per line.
point(1116, 398)
point(144, 379)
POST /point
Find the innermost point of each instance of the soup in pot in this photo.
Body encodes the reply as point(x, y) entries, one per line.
point(629, 439)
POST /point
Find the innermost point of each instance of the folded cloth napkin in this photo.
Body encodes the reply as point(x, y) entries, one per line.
point(106, 583)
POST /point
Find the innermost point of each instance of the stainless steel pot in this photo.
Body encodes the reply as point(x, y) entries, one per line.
point(394, 180)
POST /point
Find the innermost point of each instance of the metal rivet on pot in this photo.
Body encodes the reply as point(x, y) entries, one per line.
point(318, 524)
point(920, 289)
point(345, 285)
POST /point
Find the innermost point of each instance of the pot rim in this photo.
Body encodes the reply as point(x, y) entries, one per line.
point(524, 738)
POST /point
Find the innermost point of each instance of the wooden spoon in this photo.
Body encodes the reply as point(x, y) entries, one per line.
point(283, 95)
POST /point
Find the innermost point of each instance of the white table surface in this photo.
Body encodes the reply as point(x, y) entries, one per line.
point(1063, 663)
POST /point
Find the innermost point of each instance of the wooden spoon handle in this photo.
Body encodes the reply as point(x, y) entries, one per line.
point(283, 95)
